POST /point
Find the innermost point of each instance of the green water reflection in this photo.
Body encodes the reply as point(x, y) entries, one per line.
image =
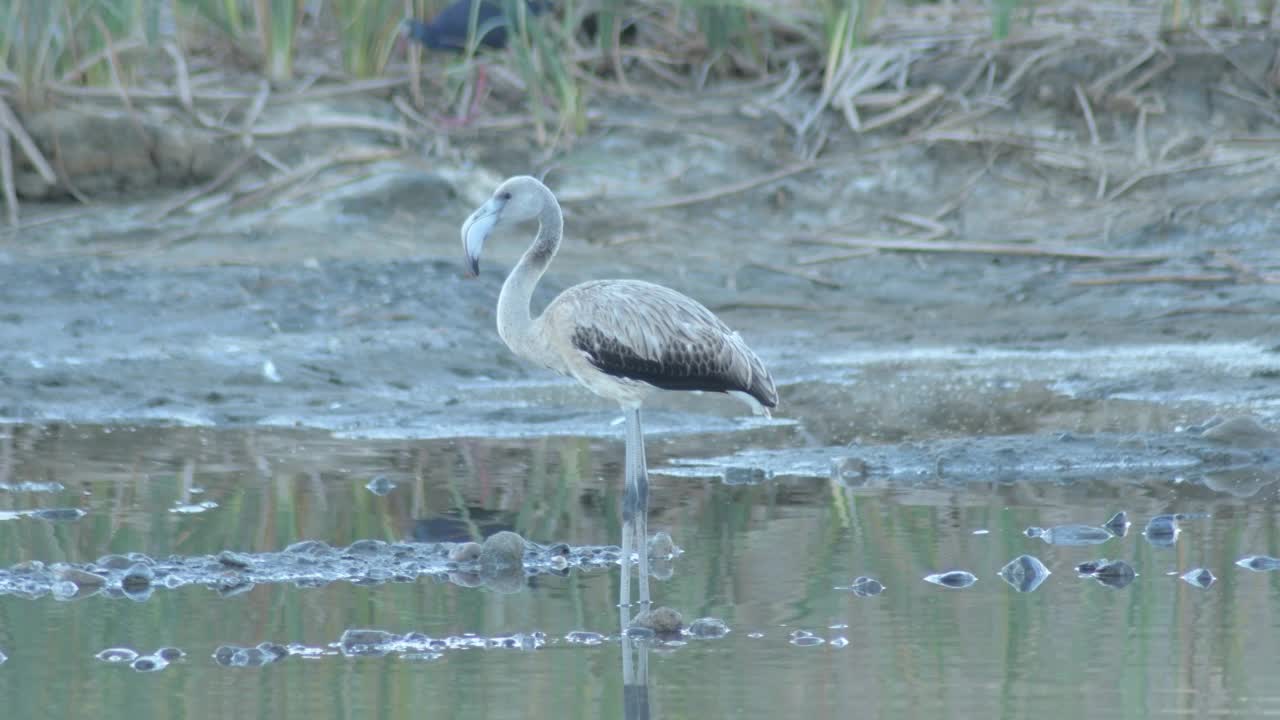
point(763, 558)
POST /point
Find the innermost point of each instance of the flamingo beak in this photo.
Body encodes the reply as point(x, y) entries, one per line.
point(476, 229)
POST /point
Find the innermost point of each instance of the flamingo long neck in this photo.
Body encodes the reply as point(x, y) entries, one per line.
point(515, 322)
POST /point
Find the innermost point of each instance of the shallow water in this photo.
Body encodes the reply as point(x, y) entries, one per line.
point(765, 558)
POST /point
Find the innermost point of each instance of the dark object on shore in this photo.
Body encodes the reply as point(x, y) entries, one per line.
point(448, 29)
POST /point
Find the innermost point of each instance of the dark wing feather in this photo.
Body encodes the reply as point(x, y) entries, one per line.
point(652, 334)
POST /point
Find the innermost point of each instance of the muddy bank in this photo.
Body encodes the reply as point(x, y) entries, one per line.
point(333, 296)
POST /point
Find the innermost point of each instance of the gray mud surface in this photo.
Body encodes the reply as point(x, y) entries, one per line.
point(343, 305)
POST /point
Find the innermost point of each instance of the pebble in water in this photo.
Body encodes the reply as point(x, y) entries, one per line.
point(380, 485)
point(1259, 563)
point(954, 579)
point(584, 637)
point(707, 628)
point(1070, 534)
point(661, 620)
point(58, 514)
point(465, 552)
point(170, 654)
point(804, 638)
point(149, 663)
point(1242, 432)
point(1118, 525)
point(365, 642)
point(1199, 577)
point(662, 547)
point(117, 655)
point(1162, 530)
point(235, 656)
point(864, 586)
point(1112, 573)
point(3, 657)
point(1025, 573)
point(81, 578)
point(839, 641)
point(502, 551)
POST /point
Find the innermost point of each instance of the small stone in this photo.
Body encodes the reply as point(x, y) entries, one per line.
point(661, 546)
point(1024, 573)
point(1259, 563)
point(1242, 432)
point(1199, 577)
point(365, 642)
point(272, 651)
point(661, 620)
point(804, 638)
point(236, 560)
point(113, 562)
point(149, 663)
point(465, 552)
point(3, 657)
point(58, 514)
point(170, 654)
point(366, 547)
point(117, 655)
point(584, 637)
point(1118, 525)
point(380, 485)
point(1115, 574)
point(864, 586)
point(1162, 530)
point(954, 579)
point(501, 551)
point(309, 547)
point(1070, 534)
point(81, 578)
point(137, 578)
point(707, 628)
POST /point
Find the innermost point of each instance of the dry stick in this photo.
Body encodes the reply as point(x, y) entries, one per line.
point(117, 84)
point(1152, 279)
point(183, 79)
point(200, 191)
point(982, 248)
point(310, 169)
point(84, 65)
point(831, 257)
point(332, 122)
point(726, 190)
point(1213, 45)
point(931, 95)
point(933, 229)
point(793, 272)
point(271, 160)
point(254, 111)
point(6, 177)
point(1159, 172)
point(1089, 122)
point(1262, 104)
point(1099, 87)
point(9, 122)
point(1025, 66)
point(403, 106)
point(1152, 73)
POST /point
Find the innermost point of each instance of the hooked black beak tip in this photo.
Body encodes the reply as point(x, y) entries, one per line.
point(473, 265)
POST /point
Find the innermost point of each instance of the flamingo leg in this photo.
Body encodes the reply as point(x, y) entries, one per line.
point(636, 499)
